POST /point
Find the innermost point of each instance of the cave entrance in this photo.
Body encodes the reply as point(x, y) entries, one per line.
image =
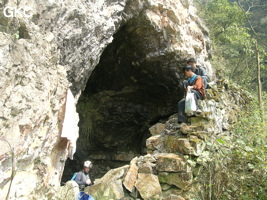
point(133, 87)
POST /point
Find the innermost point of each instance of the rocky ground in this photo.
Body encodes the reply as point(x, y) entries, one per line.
point(176, 156)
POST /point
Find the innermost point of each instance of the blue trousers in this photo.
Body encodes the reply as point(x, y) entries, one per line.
point(84, 196)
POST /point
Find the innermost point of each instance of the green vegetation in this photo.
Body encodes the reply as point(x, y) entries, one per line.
point(248, 168)
point(234, 28)
point(237, 162)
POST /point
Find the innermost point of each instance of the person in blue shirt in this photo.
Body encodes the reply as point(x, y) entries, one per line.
point(196, 85)
point(198, 70)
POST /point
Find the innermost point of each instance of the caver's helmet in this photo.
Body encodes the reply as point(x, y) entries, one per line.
point(88, 164)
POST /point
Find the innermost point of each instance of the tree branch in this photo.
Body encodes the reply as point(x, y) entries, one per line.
point(13, 171)
point(250, 24)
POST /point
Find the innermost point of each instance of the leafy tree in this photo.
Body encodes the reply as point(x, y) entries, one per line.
point(257, 15)
point(238, 168)
point(232, 30)
point(244, 4)
point(231, 40)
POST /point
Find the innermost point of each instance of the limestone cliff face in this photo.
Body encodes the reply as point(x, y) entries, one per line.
point(58, 48)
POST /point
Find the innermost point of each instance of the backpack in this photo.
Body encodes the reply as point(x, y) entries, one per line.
point(74, 176)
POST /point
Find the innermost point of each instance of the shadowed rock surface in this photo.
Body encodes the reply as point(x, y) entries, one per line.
point(173, 169)
point(137, 82)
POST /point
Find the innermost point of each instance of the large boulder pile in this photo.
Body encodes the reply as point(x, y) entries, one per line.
point(137, 80)
point(175, 157)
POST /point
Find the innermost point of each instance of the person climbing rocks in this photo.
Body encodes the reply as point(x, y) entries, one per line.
point(82, 178)
point(196, 85)
point(198, 70)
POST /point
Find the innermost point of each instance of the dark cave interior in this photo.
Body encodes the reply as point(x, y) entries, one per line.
point(130, 90)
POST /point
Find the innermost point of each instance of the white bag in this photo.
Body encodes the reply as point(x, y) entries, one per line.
point(190, 103)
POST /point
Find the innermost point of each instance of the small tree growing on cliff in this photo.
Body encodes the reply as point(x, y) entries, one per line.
point(13, 166)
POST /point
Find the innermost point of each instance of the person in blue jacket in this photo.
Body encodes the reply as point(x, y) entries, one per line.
point(198, 70)
point(196, 85)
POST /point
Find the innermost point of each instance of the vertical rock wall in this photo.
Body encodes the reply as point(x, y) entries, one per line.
point(57, 48)
point(41, 57)
point(33, 90)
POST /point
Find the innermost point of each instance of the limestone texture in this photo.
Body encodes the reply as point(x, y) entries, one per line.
point(110, 186)
point(148, 185)
point(131, 176)
point(122, 62)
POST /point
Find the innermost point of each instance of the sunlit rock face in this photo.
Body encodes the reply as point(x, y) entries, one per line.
point(122, 61)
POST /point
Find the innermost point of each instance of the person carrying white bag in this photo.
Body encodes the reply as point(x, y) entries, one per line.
point(190, 102)
point(194, 90)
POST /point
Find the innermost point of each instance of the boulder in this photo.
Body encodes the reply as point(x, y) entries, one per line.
point(190, 145)
point(110, 186)
point(169, 162)
point(146, 164)
point(131, 176)
point(155, 143)
point(156, 129)
point(148, 186)
point(174, 144)
point(69, 191)
point(180, 180)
